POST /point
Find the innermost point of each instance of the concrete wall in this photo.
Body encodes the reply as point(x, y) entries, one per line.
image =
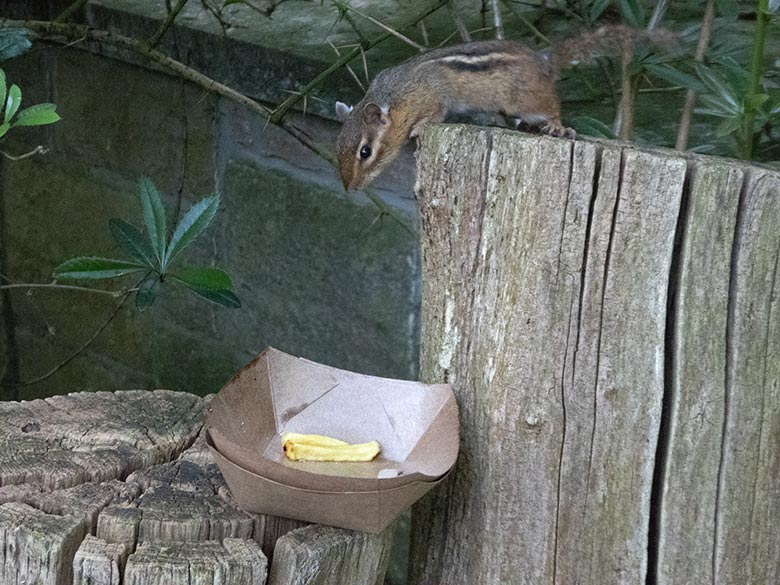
point(318, 272)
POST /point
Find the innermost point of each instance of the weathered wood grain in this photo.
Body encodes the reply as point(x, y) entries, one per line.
point(747, 540)
point(84, 501)
point(36, 547)
point(178, 516)
point(631, 365)
point(650, 381)
point(321, 555)
point(229, 562)
point(686, 522)
point(64, 441)
point(98, 562)
point(502, 265)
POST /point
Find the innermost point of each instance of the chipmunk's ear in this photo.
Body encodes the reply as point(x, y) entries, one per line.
point(342, 111)
point(373, 114)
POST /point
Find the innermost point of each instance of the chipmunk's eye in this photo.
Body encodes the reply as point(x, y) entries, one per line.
point(365, 152)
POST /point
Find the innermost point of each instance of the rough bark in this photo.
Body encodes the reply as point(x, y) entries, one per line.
point(613, 344)
point(318, 555)
point(64, 465)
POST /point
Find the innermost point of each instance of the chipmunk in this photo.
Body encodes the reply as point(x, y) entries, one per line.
point(498, 77)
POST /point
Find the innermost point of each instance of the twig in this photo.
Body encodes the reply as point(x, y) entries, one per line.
point(387, 28)
point(78, 351)
point(172, 14)
point(112, 293)
point(70, 11)
point(462, 30)
point(54, 31)
point(349, 69)
point(497, 24)
point(289, 103)
point(424, 33)
point(528, 24)
point(690, 97)
point(344, 11)
point(40, 149)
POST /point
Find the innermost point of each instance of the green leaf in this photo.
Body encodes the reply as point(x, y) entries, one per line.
point(13, 42)
point(592, 127)
point(154, 216)
point(727, 8)
point(132, 241)
point(716, 84)
point(632, 12)
point(3, 89)
point(191, 225)
point(676, 77)
point(225, 298)
point(203, 278)
point(147, 292)
point(728, 126)
point(13, 102)
point(37, 115)
point(4, 128)
point(755, 101)
point(598, 8)
point(209, 283)
point(93, 268)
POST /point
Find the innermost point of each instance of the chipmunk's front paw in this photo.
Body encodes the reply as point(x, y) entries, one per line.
point(555, 129)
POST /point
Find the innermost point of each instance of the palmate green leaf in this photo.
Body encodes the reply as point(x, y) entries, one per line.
point(132, 241)
point(717, 85)
point(191, 225)
point(154, 216)
point(210, 283)
point(4, 128)
point(728, 126)
point(37, 115)
point(94, 268)
point(205, 278)
point(676, 77)
point(755, 101)
point(225, 298)
point(147, 291)
point(13, 101)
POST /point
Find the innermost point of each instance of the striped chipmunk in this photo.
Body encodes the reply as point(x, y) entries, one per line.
point(492, 77)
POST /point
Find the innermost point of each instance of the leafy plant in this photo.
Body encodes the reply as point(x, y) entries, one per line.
point(13, 42)
point(154, 253)
point(723, 91)
point(11, 99)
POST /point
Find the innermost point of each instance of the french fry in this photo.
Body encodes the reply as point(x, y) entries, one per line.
point(301, 439)
point(300, 447)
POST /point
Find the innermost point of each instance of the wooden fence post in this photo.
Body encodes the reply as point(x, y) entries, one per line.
point(609, 318)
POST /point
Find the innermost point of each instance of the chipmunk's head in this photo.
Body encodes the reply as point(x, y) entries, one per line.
point(362, 147)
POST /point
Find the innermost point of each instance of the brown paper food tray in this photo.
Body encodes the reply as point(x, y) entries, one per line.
point(369, 511)
point(416, 424)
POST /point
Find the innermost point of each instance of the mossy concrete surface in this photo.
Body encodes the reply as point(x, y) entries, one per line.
point(319, 273)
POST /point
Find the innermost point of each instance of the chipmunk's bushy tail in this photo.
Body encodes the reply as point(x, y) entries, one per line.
point(606, 40)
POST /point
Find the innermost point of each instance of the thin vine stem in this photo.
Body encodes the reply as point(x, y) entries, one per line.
point(78, 350)
point(69, 287)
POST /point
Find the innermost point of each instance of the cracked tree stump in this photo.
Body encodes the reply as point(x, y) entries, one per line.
point(609, 318)
point(118, 488)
